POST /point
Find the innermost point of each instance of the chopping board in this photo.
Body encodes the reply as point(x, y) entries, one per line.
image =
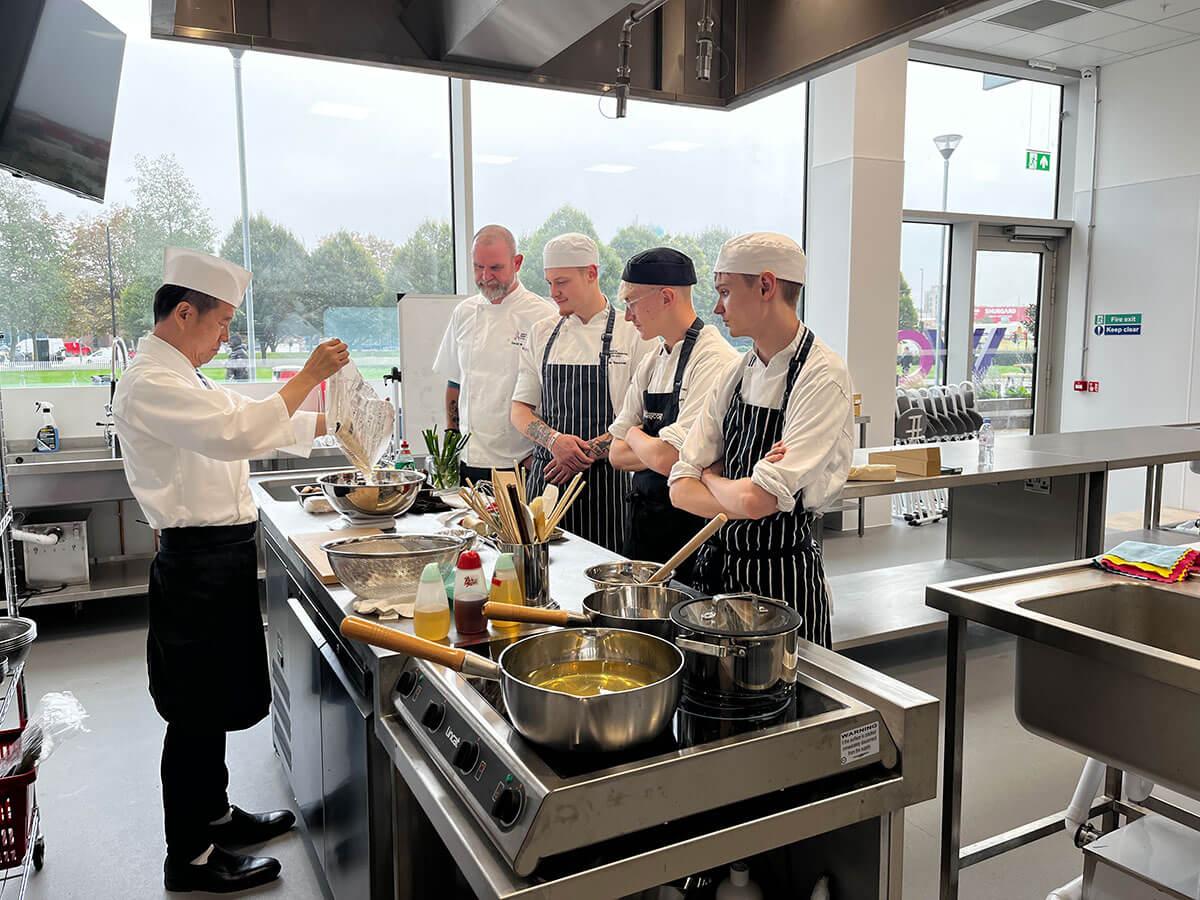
point(309, 545)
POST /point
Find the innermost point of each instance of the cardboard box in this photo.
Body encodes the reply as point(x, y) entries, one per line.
point(922, 461)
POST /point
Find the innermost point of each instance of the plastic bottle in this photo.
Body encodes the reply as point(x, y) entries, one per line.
point(404, 459)
point(987, 445)
point(46, 440)
point(738, 885)
point(506, 589)
point(431, 614)
point(470, 593)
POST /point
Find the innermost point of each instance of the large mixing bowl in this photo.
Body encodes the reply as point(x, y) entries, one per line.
point(17, 635)
point(389, 566)
point(392, 492)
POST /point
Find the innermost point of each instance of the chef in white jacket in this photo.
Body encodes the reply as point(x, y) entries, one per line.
point(186, 442)
point(480, 353)
point(773, 446)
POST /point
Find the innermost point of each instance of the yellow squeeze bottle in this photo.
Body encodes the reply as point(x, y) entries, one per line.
point(505, 589)
point(431, 613)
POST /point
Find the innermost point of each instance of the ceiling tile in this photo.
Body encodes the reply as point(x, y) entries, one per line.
point(1189, 22)
point(1000, 10)
point(1037, 15)
point(1090, 27)
point(1153, 10)
point(1084, 55)
point(1140, 38)
point(979, 36)
point(1029, 46)
point(1099, 4)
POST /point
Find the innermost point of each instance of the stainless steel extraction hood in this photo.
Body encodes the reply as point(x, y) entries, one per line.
point(762, 45)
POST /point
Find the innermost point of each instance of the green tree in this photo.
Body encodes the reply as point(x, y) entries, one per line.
point(33, 289)
point(86, 270)
point(424, 264)
point(167, 212)
point(280, 263)
point(633, 239)
point(909, 317)
point(342, 275)
point(135, 308)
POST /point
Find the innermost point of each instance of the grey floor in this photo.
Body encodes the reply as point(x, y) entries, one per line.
point(100, 793)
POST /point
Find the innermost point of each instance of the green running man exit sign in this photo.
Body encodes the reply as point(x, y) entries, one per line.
point(1036, 159)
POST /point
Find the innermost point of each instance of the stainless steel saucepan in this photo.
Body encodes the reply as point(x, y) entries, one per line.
point(586, 689)
point(637, 607)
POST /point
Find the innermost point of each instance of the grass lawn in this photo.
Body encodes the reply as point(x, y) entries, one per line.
point(373, 368)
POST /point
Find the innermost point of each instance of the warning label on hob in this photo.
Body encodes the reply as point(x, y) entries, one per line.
point(859, 743)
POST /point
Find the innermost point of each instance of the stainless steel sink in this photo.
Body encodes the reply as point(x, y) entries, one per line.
point(281, 488)
point(1105, 665)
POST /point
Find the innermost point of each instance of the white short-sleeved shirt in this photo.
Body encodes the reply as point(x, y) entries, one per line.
point(711, 359)
point(480, 352)
point(579, 343)
point(818, 425)
point(186, 441)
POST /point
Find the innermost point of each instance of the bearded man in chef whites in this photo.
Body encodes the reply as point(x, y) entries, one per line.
point(186, 443)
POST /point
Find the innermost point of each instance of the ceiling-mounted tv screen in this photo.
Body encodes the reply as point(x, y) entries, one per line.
point(58, 93)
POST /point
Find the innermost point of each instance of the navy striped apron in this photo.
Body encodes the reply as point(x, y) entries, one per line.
point(776, 556)
point(655, 529)
point(575, 401)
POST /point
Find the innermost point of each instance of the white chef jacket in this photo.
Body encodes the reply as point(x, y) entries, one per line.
point(480, 352)
point(711, 358)
point(187, 441)
point(579, 344)
point(818, 425)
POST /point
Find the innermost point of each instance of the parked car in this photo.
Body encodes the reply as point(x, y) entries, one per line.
point(102, 357)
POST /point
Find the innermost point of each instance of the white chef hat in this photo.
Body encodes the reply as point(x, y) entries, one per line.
point(570, 250)
point(763, 251)
point(207, 274)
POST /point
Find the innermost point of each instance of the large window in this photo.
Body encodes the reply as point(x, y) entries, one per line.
point(980, 143)
point(548, 162)
point(349, 192)
point(172, 180)
point(924, 280)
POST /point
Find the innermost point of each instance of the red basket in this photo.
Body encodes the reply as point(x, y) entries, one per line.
point(16, 805)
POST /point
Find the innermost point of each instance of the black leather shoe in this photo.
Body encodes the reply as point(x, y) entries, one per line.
point(224, 873)
point(246, 828)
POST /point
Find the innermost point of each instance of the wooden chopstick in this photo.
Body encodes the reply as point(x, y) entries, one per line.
point(564, 503)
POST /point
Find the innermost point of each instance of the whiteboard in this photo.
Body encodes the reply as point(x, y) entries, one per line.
point(423, 320)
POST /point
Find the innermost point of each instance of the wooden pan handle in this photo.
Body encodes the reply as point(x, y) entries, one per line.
point(359, 629)
point(532, 615)
point(689, 548)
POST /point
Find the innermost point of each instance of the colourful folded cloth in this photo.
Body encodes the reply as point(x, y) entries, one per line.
point(1150, 562)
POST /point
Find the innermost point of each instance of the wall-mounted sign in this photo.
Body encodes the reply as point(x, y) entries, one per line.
point(1118, 323)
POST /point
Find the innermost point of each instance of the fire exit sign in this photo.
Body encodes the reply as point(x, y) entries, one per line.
point(1037, 160)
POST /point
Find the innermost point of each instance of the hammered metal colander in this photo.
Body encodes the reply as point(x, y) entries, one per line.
point(389, 566)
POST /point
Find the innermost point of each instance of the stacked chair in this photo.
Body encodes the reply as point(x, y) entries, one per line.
point(929, 416)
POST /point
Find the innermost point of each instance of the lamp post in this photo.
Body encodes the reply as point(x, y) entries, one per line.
point(946, 145)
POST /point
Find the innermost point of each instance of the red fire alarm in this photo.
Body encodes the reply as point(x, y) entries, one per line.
point(1081, 385)
point(1093, 387)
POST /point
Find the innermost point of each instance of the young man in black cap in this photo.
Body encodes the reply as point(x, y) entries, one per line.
point(668, 392)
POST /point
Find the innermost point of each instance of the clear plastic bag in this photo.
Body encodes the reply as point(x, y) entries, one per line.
point(357, 417)
point(59, 715)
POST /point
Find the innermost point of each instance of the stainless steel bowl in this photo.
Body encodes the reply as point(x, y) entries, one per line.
point(17, 635)
point(617, 574)
point(389, 566)
point(391, 493)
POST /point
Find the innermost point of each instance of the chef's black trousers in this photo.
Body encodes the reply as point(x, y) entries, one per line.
point(194, 783)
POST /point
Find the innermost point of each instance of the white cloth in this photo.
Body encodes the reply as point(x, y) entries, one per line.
point(187, 442)
point(763, 251)
point(711, 359)
point(480, 352)
point(207, 274)
point(570, 250)
point(579, 344)
point(818, 425)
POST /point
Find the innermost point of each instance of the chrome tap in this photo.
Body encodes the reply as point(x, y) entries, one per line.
point(110, 433)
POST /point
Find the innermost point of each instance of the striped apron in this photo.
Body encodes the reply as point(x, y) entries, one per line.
point(575, 401)
point(776, 556)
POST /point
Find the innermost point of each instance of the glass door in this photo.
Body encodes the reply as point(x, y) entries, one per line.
point(1012, 284)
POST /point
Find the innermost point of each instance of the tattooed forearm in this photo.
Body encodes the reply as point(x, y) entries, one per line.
point(540, 433)
point(598, 447)
point(452, 392)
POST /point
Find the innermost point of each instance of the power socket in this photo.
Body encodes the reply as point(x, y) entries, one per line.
point(1037, 485)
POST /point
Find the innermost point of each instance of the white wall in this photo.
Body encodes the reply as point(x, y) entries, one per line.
point(1146, 254)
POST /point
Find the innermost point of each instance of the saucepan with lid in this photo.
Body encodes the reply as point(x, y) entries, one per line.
point(586, 689)
point(739, 652)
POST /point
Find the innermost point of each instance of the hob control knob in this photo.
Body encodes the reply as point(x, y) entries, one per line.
point(506, 808)
point(433, 716)
point(406, 682)
point(466, 755)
